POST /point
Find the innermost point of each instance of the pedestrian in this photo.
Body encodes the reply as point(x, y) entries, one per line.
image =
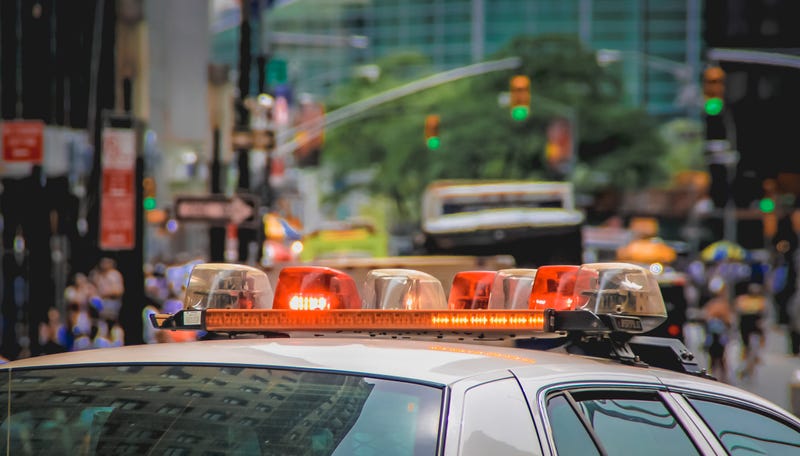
point(53, 333)
point(110, 287)
point(793, 310)
point(785, 243)
point(750, 308)
point(81, 290)
point(718, 316)
point(78, 297)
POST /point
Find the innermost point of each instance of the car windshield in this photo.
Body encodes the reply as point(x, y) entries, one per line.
point(176, 410)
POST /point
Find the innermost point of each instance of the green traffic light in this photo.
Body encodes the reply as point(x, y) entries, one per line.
point(519, 113)
point(434, 142)
point(713, 106)
point(149, 203)
point(766, 205)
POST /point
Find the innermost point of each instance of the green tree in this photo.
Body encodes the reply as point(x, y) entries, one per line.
point(618, 146)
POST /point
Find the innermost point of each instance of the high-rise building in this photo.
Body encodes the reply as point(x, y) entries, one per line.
point(656, 43)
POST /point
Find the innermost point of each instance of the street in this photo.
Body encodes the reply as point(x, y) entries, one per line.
point(772, 378)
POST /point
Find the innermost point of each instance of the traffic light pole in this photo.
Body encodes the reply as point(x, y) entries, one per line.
point(720, 156)
point(722, 163)
point(216, 234)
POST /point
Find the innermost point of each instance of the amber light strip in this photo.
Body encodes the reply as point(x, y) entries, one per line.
point(499, 321)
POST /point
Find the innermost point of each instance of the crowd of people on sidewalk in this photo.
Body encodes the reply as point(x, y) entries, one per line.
point(723, 314)
point(92, 306)
point(744, 309)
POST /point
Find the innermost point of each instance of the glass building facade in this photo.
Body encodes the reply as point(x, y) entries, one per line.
point(656, 43)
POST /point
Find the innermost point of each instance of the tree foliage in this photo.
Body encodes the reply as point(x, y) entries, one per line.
point(618, 146)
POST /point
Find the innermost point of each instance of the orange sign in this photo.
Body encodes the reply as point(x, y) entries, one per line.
point(23, 141)
point(118, 200)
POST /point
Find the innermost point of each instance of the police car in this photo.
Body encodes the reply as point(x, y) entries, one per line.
point(313, 366)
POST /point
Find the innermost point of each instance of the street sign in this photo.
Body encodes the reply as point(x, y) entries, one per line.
point(277, 72)
point(22, 140)
point(241, 210)
point(118, 197)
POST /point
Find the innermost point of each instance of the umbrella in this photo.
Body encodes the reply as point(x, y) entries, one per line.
point(724, 251)
point(278, 228)
point(647, 251)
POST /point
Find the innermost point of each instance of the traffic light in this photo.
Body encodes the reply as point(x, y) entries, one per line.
point(149, 193)
point(432, 139)
point(520, 101)
point(714, 90)
point(767, 206)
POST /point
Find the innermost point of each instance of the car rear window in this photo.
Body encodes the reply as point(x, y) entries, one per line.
point(176, 410)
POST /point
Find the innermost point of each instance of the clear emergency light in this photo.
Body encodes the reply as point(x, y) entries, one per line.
point(620, 289)
point(592, 298)
point(512, 289)
point(227, 286)
point(403, 289)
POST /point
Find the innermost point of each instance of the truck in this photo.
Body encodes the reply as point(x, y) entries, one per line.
point(536, 222)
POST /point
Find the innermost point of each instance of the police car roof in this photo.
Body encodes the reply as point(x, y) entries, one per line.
point(423, 361)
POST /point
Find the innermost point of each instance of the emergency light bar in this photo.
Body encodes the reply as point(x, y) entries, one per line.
point(592, 298)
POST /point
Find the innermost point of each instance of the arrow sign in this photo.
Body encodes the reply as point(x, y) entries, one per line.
point(218, 209)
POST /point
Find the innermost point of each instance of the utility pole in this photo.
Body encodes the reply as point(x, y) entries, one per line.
point(245, 235)
point(720, 156)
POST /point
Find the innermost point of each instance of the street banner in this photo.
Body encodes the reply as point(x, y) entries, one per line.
point(118, 198)
point(23, 141)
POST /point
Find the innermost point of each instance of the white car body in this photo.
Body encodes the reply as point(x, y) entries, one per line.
point(458, 369)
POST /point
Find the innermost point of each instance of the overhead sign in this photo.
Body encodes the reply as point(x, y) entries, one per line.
point(239, 210)
point(23, 141)
point(277, 72)
point(118, 198)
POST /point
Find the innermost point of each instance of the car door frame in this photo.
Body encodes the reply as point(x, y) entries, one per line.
point(454, 414)
point(697, 434)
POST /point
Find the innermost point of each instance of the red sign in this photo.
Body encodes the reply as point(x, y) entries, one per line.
point(118, 200)
point(23, 141)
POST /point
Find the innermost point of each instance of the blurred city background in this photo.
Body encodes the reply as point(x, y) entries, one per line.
point(160, 133)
